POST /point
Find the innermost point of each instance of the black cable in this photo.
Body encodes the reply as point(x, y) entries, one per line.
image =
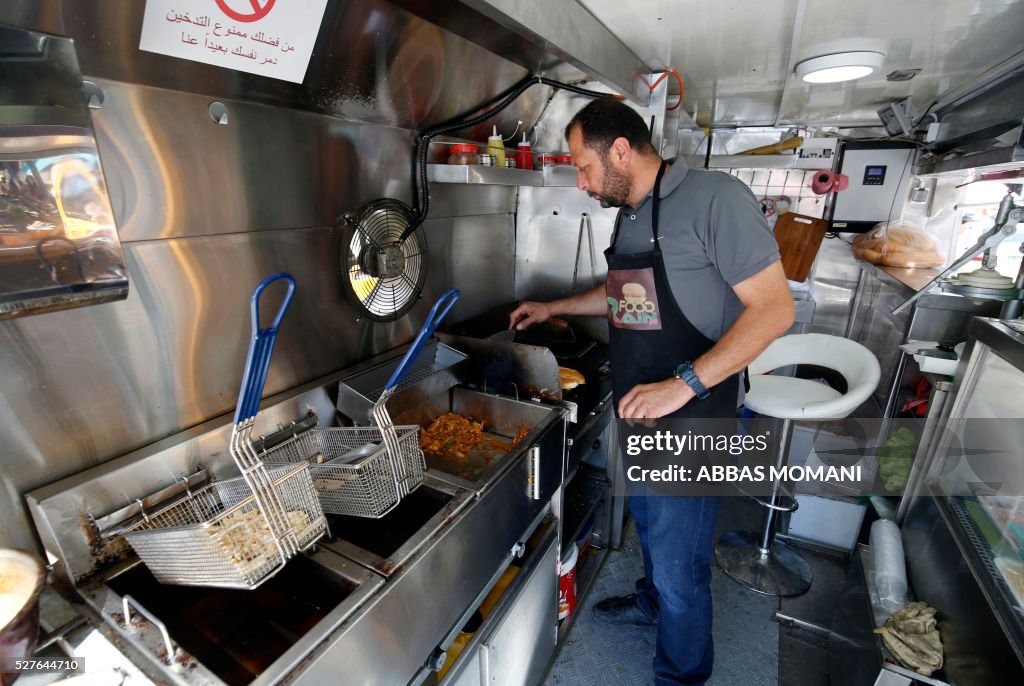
point(423, 192)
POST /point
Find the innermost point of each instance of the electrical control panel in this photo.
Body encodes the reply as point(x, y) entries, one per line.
point(879, 173)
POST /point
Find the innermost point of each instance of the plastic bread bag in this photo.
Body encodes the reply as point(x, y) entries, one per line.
point(897, 244)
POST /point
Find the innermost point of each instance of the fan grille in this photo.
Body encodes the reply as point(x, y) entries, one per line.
point(384, 276)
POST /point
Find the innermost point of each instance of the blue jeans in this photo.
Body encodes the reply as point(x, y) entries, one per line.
point(676, 537)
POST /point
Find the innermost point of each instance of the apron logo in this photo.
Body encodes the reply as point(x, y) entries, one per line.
point(632, 300)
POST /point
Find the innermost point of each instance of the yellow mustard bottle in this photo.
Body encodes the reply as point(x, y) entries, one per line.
point(496, 147)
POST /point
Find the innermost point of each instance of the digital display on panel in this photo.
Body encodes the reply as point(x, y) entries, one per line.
point(874, 174)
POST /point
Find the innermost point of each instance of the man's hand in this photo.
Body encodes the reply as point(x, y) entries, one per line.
point(527, 314)
point(654, 400)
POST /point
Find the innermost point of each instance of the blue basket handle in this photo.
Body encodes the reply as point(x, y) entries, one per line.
point(257, 362)
point(437, 313)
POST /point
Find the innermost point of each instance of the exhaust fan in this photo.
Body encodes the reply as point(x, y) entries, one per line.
point(383, 268)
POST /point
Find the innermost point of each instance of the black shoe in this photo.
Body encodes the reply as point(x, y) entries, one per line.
point(622, 610)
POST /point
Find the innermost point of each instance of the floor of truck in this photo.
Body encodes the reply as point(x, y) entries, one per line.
point(746, 637)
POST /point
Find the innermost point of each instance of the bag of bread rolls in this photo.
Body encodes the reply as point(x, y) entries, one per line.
point(897, 245)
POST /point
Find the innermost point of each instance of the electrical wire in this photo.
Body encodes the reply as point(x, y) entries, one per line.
point(892, 205)
point(518, 124)
point(679, 78)
point(424, 143)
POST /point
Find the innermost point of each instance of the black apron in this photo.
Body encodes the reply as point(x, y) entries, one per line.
point(649, 335)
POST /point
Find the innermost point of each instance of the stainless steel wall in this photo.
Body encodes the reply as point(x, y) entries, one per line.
point(207, 210)
point(548, 231)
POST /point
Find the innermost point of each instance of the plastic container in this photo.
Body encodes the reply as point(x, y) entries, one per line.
point(496, 147)
point(463, 153)
point(1007, 513)
point(1013, 574)
point(567, 583)
point(460, 641)
point(545, 160)
point(890, 569)
point(564, 160)
point(524, 155)
point(499, 588)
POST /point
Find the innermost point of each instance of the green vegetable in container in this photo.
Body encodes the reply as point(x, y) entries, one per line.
point(895, 457)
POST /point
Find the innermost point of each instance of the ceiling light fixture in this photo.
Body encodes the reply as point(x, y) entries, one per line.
point(840, 66)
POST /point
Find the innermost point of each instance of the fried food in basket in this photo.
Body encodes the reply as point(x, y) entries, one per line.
point(451, 435)
point(245, 536)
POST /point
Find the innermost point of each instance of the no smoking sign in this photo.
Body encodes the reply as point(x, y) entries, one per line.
point(264, 37)
point(246, 10)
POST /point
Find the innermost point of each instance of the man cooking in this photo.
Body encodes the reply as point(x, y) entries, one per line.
point(694, 292)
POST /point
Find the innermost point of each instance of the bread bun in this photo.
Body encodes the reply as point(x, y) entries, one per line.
point(570, 378)
point(897, 246)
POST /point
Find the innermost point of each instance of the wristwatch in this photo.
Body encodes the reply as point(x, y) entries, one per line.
point(685, 373)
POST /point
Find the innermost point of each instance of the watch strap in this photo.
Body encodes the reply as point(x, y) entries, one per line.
point(685, 373)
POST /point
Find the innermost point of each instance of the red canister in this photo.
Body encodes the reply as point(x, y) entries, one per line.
point(563, 159)
point(567, 583)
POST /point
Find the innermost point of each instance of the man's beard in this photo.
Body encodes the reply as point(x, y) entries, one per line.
point(616, 189)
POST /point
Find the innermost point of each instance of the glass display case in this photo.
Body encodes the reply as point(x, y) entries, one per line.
point(975, 483)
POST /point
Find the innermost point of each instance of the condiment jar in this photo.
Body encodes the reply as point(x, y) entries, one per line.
point(463, 153)
point(510, 162)
point(545, 160)
point(564, 159)
point(486, 160)
point(524, 158)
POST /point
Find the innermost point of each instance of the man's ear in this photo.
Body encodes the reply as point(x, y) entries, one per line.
point(620, 152)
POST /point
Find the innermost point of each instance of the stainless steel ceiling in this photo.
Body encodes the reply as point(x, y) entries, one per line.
point(737, 57)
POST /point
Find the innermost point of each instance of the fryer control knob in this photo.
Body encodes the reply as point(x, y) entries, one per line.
point(518, 550)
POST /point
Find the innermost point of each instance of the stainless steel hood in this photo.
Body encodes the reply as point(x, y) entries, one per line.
point(538, 35)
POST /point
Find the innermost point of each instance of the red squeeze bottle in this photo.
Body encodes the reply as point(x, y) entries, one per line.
point(524, 157)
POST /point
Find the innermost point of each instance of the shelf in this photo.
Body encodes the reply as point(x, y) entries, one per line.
point(581, 499)
point(757, 162)
point(981, 562)
point(556, 176)
point(997, 159)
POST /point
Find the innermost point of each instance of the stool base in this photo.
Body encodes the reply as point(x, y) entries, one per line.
point(782, 572)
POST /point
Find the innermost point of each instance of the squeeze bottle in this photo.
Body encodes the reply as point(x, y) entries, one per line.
point(496, 147)
point(524, 156)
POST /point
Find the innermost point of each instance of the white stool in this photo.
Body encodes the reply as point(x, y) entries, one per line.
point(756, 559)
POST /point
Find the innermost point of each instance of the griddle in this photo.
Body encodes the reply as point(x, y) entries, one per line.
point(578, 346)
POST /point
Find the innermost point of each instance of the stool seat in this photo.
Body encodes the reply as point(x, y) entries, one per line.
point(789, 398)
point(756, 559)
point(786, 397)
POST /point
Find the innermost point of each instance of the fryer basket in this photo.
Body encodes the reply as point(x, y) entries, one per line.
point(217, 536)
point(368, 487)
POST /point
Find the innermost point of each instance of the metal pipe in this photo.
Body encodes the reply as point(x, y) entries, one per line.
point(857, 295)
point(772, 511)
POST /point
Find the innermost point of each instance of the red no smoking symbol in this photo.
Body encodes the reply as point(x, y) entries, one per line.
point(260, 9)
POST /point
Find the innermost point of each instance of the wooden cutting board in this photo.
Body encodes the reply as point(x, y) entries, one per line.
point(799, 238)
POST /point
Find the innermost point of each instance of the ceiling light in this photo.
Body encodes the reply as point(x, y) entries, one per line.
point(840, 66)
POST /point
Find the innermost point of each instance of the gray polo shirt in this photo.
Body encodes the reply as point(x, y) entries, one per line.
point(713, 235)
